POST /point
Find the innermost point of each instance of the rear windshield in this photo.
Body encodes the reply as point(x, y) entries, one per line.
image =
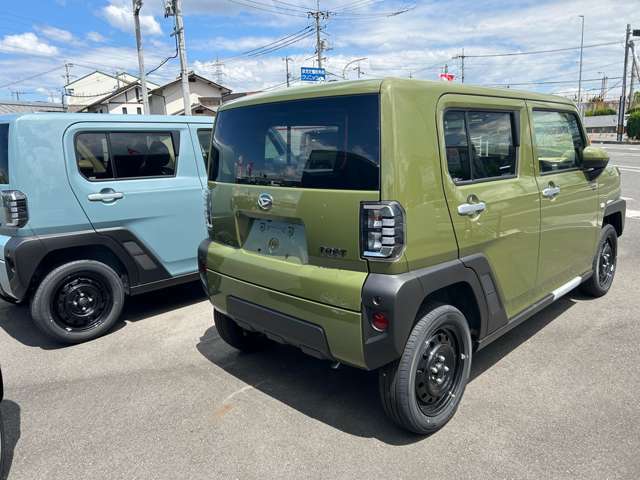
point(4, 153)
point(331, 142)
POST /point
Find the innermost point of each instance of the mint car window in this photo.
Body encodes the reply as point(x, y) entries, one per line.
point(142, 154)
point(558, 140)
point(4, 153)
point(92, 156)
point(479, 144)
point(204, 138)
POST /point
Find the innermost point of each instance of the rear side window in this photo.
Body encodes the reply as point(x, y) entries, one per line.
point(123, 155)
point(331, 143)
point(204, 138)
point(4, 153)
point(480, 145)
point(558, 139)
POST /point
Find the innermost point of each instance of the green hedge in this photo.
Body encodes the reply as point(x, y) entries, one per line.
point(600, 111)
point(633, 126)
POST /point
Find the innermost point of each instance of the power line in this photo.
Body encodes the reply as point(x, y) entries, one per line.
point(14, 82)
point(536, 52)
point(555, 82)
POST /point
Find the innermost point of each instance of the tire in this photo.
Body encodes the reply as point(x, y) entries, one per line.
point(236, 336)
point(414, 396)
point(604, 264)
point(78, 301)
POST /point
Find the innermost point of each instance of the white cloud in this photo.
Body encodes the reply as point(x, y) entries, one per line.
point(95, 37)
point(56, 34)
point(27, 44)
point(120, 16)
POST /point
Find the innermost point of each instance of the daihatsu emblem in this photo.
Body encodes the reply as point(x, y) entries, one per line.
point(265, 201)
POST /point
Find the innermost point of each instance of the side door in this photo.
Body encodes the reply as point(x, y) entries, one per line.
point(569, 201)
point(492, 195)
point(139, 184)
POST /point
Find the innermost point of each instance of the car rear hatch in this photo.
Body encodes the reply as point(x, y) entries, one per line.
point(287, 183)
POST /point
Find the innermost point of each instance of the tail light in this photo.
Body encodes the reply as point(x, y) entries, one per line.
point(14, 208)
point(206, 197)
point(381, 230)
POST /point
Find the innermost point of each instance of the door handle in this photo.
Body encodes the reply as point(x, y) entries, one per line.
point(551, 191)
point(105, 195)
point(471, 209)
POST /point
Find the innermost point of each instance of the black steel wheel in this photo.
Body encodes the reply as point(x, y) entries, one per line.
point(78, 301)
point(438, 371)
point(422, 390)
point(81, 302)
point(604, 263)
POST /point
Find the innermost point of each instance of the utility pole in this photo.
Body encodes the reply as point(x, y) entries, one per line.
point(623, 97)
point(67, 81)
point(633, 68)
point(580, 74)
point(317, 16)
point(286, 62)
point(137, 5)
point(174, 8)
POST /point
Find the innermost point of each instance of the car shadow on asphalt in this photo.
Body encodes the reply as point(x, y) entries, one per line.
point(11, 421)
point(16, 319)
point(347, 398)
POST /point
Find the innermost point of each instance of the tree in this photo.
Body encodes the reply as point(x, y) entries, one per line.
point(633, 126)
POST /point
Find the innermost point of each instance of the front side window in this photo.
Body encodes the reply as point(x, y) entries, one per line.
point(331, 143)
point(123, 155)
point(558, 140)
point(92, 156)
point(479, 145)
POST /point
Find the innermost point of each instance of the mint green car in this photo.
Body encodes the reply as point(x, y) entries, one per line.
point(401, 225)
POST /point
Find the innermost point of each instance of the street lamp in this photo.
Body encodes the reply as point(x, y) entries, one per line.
point(344, 70)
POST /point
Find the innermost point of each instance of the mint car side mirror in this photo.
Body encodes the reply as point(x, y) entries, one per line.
point(594, 159)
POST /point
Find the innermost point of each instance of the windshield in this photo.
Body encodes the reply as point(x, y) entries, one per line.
point(331, 142)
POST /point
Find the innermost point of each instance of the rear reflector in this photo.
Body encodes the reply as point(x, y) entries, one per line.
point(379, 322)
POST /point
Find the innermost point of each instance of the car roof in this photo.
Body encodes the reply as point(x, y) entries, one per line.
point(355, 87)
point(101, 117)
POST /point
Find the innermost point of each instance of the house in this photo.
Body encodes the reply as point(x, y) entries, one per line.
point(14, 106)
point(601, 127)
point(96, 86)
point(205, 97)
point(124, 100)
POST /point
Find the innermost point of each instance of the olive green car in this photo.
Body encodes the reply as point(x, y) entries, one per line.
point(401, 225)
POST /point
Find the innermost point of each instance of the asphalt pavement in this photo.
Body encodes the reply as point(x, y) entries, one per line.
point(162, 397)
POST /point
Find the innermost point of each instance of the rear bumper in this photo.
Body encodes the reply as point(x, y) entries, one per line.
point(320, 330)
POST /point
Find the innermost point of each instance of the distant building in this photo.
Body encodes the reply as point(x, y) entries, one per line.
point(14, 106)
point(96, 87)
point(205, 97)
point(125, 100)
point(601, 127)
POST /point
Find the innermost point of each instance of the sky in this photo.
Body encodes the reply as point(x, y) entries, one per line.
point(37, 37)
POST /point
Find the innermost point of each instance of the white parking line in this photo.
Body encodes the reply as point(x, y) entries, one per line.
point(627, 199)
point(635, 214)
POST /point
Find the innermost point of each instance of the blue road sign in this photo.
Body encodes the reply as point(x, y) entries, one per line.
point(311, 74)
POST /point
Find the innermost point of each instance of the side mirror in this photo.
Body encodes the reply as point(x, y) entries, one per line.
point(594, 158)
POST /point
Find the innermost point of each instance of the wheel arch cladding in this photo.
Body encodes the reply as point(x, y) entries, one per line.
point(31, 256)
point(614, 214)
point(401, 297)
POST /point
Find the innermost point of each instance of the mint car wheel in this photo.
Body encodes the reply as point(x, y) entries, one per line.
point(422, 390)
point(78, 301)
